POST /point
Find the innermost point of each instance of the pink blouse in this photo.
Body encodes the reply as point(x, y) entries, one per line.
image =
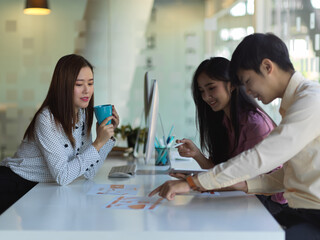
point(253, 129)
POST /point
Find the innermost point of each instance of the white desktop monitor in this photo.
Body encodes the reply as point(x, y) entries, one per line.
point(152, 120)
point(151, 108)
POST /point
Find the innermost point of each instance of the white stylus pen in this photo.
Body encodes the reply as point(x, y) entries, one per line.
point(177, 145)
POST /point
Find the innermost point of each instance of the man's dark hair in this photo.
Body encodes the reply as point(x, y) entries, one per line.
point(256, 47)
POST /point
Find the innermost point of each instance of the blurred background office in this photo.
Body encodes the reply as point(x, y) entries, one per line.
point(125, 38)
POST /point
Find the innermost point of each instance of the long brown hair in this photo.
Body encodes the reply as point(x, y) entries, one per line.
point(59, 98)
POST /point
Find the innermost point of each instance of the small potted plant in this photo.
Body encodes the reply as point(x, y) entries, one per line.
point(129, 133)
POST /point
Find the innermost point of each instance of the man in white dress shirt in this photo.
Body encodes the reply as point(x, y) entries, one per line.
point(261, 63)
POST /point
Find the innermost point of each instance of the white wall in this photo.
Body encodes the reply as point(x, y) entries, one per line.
point(117, 33)
point(30, 46)
point(114, 35)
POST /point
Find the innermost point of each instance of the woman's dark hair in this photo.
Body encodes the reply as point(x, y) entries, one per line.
point(213, 134)
point(59, 98)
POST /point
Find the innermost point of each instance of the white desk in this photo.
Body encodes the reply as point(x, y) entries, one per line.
point(50, 211)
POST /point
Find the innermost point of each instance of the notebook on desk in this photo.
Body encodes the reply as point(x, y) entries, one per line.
point(186, 171)
point(129, 170)
point(152, 169)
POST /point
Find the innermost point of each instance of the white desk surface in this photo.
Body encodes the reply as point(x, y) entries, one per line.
point(50, 211)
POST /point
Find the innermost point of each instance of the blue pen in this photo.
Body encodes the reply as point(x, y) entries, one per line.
point(164, 136)
point(169, 135)
point(160, 156)
point(163, 157)
point(169, 141)
point(157, 141)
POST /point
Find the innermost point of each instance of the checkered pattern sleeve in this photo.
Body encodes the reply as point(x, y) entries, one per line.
point(64, 162)
point(97, 163)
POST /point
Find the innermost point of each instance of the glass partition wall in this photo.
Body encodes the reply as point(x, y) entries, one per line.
point(296, 22)
point(125, 38)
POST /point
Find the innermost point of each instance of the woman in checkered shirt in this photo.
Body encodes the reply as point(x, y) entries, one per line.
point(57, 145)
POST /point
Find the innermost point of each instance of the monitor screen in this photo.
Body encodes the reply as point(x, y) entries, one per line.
point(151, 107)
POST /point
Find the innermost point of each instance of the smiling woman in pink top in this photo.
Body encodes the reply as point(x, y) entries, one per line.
point(228, 119)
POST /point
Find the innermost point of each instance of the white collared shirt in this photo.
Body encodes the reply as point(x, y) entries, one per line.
point(50, 157)
point(295, 143)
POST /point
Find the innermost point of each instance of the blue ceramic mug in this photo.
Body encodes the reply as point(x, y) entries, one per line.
point(102, 112)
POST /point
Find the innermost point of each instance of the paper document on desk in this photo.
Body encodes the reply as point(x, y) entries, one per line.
point(113, 189)
point(134, 203)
